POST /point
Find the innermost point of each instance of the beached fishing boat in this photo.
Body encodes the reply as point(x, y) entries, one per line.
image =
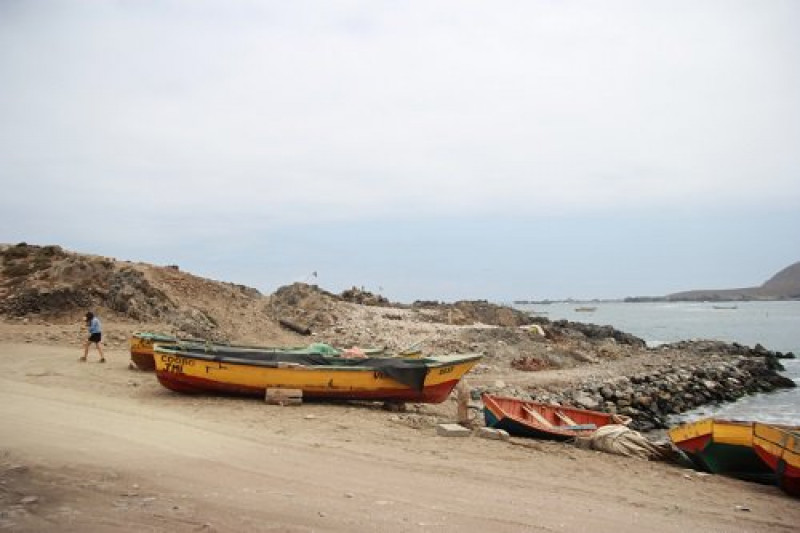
point(251, 372)
point(142, 348)
point(722, 447)
point(779, 448)
point(531, 419)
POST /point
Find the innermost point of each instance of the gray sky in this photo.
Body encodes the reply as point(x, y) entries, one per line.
point(426, 150)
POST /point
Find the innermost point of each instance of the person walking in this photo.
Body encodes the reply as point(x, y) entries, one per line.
point(95, 336)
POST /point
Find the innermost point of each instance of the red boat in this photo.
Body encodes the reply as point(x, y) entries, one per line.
point(526, 418)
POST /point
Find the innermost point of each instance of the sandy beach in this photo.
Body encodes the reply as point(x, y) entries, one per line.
point(99, 447)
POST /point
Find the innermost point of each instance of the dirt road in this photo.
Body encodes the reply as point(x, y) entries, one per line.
point(92, 447)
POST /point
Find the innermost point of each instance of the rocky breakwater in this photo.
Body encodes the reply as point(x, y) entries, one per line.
point(689, 374)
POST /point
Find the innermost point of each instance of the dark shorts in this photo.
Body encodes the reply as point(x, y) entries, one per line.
point(95, 337)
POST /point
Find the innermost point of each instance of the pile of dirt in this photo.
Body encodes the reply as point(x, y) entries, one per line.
point(469, 312)
point(306, 306)
point(363, 297)
point(47, 280)
point(50, 283)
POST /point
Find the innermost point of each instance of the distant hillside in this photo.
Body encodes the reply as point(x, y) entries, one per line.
point(785, 285)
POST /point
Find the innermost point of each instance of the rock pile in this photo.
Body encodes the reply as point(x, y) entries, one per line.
point(566, 329)
point(650, 397)
point(363, 297)
point(470, 312)
point(734, 348)
point(31, 301)
point(49, 282)
point(305, 305)
point(129, 293)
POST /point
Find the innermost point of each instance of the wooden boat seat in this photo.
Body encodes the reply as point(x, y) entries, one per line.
point(536, 415)
point(571, 424)
point(567, 420)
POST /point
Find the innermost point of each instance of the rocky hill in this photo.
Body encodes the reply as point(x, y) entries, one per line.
point(60, 286)
point(52, 285)
point(785, 285)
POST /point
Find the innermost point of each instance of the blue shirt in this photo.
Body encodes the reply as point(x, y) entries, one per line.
point(94, 325)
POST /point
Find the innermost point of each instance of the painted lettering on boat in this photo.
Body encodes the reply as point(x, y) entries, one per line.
point(174, 368)
point(175, 363)
point(445, 370)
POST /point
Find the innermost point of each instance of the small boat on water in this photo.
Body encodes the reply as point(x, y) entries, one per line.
point(725, 306)
point(251, 372)
point(536, 420)
point(142, 348)
point(723, 447)
point(779, 448)
point(585, 309)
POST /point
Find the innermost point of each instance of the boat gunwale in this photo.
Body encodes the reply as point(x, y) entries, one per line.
point(431, 362)
point(689, 430)
point(705, 430)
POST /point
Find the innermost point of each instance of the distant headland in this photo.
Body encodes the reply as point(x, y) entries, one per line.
point(785, 285)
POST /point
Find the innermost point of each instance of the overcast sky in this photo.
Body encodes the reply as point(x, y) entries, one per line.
point(425, 150)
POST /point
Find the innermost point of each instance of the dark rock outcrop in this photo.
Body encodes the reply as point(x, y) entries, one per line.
point(565, 328)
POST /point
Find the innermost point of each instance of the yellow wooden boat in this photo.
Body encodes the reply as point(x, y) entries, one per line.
point(723, 447)
point(142, 346)
point(250, 372)
point(779, 448)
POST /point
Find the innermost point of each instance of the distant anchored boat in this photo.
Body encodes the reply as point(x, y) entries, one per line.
point(725, 306)
point(586, 309)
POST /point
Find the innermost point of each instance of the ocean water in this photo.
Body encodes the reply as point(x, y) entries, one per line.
point(774, 325)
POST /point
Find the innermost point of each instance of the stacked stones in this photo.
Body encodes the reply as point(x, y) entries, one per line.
point(716, 372)
point(649, 398)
